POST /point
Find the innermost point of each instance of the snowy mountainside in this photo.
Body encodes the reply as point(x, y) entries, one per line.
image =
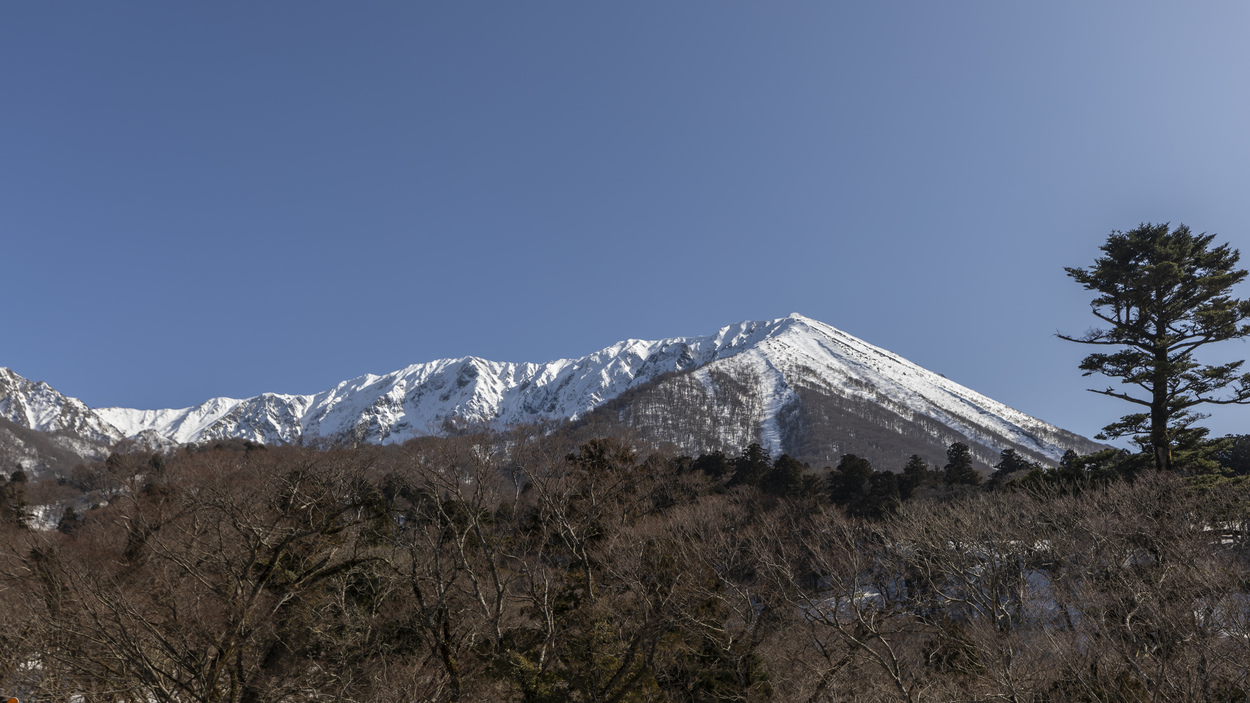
point(38, 406)
point(417, 399)
point(851, 368)
point(815, 392)
point(37, 453)
point(767, 381)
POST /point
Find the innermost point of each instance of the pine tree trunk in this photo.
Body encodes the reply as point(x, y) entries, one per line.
point(1159, 415)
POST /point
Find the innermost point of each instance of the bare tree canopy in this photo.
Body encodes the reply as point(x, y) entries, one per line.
point(532, 567)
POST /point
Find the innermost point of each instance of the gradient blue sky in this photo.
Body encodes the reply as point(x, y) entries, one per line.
point(227, 198)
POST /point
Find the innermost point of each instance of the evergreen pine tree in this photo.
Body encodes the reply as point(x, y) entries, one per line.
point(883, 495)
point(1010, 462)
point(958, 469)
point(1234, 455)
point(751, 468)
point(70, 521)
point(785, 478)
point(849, 482)
point(916, 473)
point(1071, 467)
point(1164, 293)
point(715, 464)
point(13, 507)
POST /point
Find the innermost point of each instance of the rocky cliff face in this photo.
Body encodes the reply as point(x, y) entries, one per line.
point(38, 406)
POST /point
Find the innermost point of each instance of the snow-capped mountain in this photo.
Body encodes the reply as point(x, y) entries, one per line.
point(38, 406)
point(753, 381)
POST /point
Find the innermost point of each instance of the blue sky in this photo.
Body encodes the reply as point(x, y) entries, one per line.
point(229, 198)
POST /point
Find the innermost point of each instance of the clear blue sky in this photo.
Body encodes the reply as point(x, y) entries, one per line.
point(227, 198)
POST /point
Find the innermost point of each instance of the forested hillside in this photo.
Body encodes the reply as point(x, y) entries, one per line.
point(538, 566)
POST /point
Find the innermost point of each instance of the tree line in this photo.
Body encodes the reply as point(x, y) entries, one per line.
point(530, 566)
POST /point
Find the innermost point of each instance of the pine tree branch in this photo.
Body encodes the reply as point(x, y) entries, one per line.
point(1121, 396)
point(1087, 341)
point(1241, 400)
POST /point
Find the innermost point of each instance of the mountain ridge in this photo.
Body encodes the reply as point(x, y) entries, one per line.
point(759, 375)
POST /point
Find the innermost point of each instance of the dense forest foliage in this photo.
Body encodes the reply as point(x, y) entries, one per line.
point(531, 566)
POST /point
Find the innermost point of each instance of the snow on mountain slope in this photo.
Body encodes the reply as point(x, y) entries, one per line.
point(821, 356)
point(781, 357)
point(37, 406)
point(417, 399)
point(181, 426)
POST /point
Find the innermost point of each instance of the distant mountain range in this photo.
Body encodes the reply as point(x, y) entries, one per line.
point(794, 384)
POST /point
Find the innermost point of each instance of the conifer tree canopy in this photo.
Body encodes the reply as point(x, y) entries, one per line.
point(958, 469)
point(785, 478)
point(848, 482)
point(751, 468)
point(1164, 293)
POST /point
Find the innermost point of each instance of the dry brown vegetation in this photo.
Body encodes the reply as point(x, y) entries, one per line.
point(522, 567)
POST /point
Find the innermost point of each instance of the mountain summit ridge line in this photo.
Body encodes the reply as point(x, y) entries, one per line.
point(776, 360)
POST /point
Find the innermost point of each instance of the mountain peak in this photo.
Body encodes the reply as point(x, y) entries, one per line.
point(37, 406)
point(749, 381)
